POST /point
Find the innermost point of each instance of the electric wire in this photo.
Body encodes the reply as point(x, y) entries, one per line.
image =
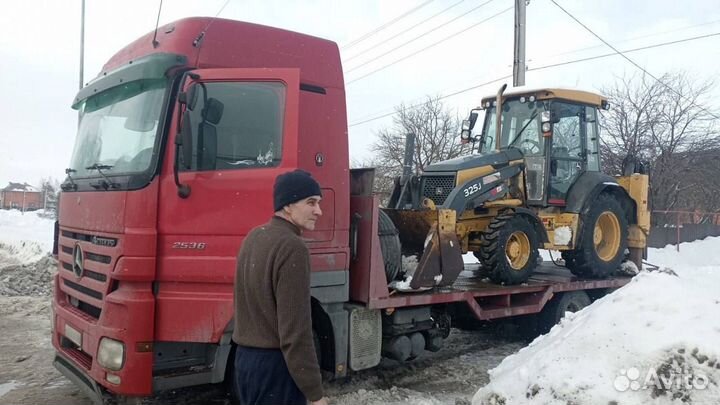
point(387, 24)
point(419, 36)
point(404, 31)
point(439, 98)
point(654, 34)
point(633, 62)
point(642, 48)
point(429, 46)
point(549, 66)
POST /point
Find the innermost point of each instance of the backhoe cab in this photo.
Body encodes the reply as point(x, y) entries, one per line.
point(534, 182)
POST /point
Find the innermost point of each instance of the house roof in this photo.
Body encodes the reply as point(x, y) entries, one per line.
point(20, 187)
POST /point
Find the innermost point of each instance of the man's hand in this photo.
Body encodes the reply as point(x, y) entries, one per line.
point(321, 401)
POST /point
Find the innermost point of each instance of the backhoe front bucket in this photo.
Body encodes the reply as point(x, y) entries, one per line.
point(432, 235)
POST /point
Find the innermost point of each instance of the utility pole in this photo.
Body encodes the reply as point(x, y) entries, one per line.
point(519, 54)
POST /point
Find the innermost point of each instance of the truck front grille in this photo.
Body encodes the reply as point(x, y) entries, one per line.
point(437, 188)
point(84, 295)
point(81, 288)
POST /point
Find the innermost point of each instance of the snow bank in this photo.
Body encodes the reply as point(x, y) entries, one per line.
point(24, 238)
point(652, 341)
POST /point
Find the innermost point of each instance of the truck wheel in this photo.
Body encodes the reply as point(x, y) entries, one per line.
point(509, 249)
point(554, 311)
point(603, 240)
point(532, 326)
point(389, 246)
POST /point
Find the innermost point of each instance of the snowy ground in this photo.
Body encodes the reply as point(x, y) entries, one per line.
point(662, 327)
point(653, 341)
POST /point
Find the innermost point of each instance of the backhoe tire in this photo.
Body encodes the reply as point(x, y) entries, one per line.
point(603, 240)
point(389, 246)
point(509, 249)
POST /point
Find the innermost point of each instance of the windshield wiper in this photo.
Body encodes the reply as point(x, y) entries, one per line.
point(72, 186)
point(517, 136)
point(106, 183)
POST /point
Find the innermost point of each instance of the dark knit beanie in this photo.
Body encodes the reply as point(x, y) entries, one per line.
point(292, 187)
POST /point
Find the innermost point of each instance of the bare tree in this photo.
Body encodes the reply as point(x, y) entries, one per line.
point(49, 187)
point(670, 126)
point(436, 138)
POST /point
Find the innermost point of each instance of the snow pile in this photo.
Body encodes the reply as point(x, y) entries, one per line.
point(652, 341)
point(30, 279)
point(24, 238)
point(26, 267)
point(563, 235)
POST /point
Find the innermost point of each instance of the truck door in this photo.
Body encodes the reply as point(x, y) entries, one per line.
point(244, 125)
point(567, 156)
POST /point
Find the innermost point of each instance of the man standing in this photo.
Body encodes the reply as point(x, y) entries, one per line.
point(275, 361)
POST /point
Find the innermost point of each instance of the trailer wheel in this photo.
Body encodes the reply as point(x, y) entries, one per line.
point(533, 326)
point(603, 240)
point(389, 246)
point(509, 249)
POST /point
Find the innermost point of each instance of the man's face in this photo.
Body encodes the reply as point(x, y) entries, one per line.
point(305, 213)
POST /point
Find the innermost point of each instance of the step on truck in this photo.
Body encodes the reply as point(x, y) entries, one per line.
point(180, 139)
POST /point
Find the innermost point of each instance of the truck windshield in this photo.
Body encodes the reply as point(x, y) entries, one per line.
point(520, 127)
point(118, 128)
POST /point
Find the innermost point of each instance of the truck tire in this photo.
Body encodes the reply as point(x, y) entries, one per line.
point(389, 246)
point(554, 311)
point(603, 240)
point(532, 326)
point(509, 249)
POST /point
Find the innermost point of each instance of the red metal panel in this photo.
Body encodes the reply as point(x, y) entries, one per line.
point(367, 273)
point(100, 211)
point(328, 261)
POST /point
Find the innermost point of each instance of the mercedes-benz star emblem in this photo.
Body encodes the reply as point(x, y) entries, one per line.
point(78, 268)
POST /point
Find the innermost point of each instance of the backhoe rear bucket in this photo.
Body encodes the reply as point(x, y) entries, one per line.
point(432, 235)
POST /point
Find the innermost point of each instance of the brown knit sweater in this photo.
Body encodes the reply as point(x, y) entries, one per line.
point(272, 300)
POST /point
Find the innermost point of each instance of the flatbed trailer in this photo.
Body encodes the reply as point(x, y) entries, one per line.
point(486, 300)
point(549, 293)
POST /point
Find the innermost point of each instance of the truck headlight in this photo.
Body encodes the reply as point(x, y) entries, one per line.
point(111, 354)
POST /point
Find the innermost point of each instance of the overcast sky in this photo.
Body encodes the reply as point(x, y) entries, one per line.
point(39, 55)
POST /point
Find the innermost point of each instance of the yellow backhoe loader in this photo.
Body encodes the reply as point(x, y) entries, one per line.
point(534, 183)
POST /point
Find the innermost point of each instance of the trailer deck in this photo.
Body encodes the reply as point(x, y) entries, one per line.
point(491, 301)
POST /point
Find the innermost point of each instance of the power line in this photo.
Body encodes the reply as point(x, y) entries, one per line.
point(439, 98)
point(632, 61)
point(404, 31)
point(687, 27)
point(419, 36)
point(662, 44)
point(387, 24)
point(429, 46)
point(642, 48)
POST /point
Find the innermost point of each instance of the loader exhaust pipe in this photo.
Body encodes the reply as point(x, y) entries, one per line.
point(498, 115)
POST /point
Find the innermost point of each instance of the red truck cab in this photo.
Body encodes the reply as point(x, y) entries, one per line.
point(144, 291)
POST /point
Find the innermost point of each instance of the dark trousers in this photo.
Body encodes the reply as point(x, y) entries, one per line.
point(262, 378)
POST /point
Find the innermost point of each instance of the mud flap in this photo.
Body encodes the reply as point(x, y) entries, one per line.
point(441, 261)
